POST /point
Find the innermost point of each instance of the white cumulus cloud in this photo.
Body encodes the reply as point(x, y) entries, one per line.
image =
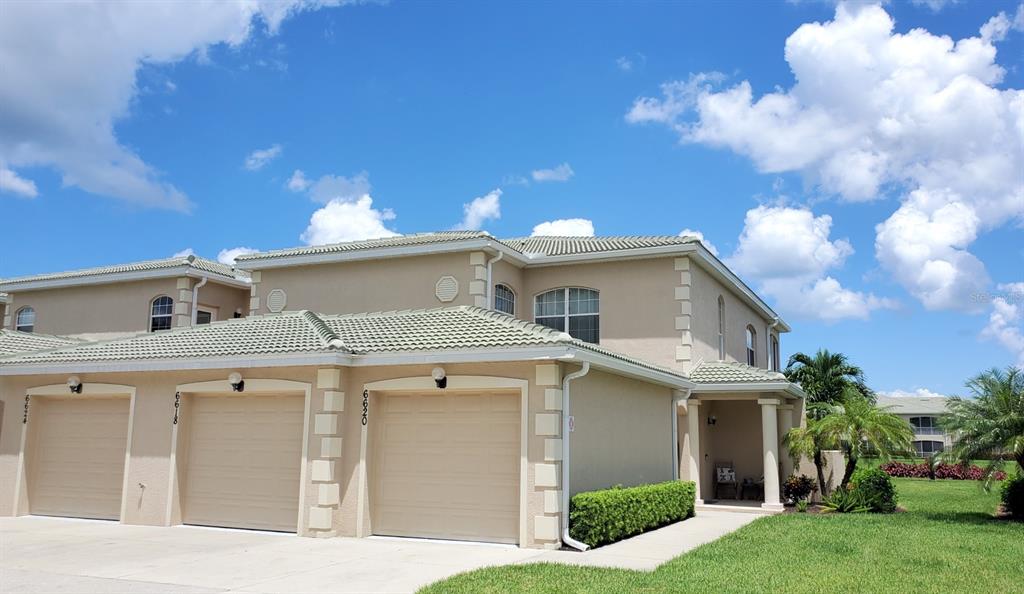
point(915, 393)
point(565, 228)
point(789, 252)
point(259, 158)
point(700, 237)
point(298, 182)
point(341, 220)
point(561, 173)
point(12, 183)
point(484, 208)
point(184, 253)
point(227, 256)
point(873, 113)
point(1006, 321)
point(69, 76)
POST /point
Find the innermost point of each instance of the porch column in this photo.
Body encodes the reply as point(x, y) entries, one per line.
point(770, 439)
point(693, 437)
point(785, 424)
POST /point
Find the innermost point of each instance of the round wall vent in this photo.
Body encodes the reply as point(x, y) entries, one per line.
point(277, 299)
point(447, 289)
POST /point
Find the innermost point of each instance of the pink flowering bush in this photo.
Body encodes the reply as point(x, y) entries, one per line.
point(942, 471)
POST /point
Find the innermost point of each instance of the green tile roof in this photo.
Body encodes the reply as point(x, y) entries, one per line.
point(13, 342)
point(368, 244)
point(195, 262)
point(721, 372)
point(528, 246)
point(435, 330)
point(565, 246)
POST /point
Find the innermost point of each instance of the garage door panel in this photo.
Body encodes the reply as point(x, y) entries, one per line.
point(79, 452)
point(447, 466)
point(244, 461)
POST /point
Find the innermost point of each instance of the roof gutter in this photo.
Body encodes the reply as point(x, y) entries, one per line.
point(195, 298)
point(572, 542)
point(490, 286)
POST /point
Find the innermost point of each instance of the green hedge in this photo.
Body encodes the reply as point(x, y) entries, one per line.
point(601, 517)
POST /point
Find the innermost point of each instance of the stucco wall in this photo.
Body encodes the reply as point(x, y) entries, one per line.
point(115, 307)
point(638, 307)
point(227, 300)
point(107, 310)
point(369, 285)
point(705, 291)
point(623, 432)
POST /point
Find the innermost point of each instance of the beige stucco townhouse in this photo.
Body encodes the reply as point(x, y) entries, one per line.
point(499, 378)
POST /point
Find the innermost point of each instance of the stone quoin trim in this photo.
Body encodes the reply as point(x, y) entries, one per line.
point(329, 404)
point(548, 424)
point(684, 350)
point(478, 286)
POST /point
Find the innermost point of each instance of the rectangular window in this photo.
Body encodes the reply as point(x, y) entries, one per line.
point(203, 317)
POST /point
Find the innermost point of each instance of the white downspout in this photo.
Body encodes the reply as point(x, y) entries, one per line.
point(490, 287)
point(677, 396)
point(768, 344)
point(566, 539)
point(195, 298)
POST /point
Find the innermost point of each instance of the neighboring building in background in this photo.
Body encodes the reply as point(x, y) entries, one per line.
point(922, 412)
point(123, 300)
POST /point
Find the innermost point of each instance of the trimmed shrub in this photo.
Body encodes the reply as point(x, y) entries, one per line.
point(877, 489)
point(845, 500)
point(1012, 494)
point(942, 471)
point(798, 488)
point(610, 515)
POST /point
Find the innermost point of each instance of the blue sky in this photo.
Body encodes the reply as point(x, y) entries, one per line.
point(136, 146)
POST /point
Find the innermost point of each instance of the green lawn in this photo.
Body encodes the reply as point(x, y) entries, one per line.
point(946, 541)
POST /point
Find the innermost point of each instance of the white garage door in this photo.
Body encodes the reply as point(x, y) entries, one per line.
point(447, 466)
point(78, 456)
point(244, 459)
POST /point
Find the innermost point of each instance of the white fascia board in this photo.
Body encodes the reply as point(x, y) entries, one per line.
point(117, 277)
point(788, 387)
point(239, 362)
point(379, 253)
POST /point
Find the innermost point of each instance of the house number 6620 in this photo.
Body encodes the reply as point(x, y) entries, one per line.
point(366, 405)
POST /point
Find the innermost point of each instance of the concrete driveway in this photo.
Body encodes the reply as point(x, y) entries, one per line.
point(60, 555)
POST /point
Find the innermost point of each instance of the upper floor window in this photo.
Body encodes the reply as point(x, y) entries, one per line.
point(25, 320)
point(751, 346)
point(926, 425)
point(774, 353)
point(927, 448)
point(571, 310)
point(721, 328)
point(203, 317)
point(504, 299)
point(161, 313)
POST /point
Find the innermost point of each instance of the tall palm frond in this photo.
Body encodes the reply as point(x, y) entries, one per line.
point(825, 375)
point(991, 424)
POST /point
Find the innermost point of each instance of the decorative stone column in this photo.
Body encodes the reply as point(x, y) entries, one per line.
point(325, 453)
point(547, 474)
point(478, 286)
point(684, 350)
point(693, 437)
point(785, 425)
point(770, 440)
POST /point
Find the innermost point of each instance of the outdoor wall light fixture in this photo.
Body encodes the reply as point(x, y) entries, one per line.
point(75, 384)
point(236, 381)
point(712, 420)
point(439, 377)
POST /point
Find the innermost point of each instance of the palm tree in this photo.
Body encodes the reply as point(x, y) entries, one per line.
point(809, 442)
point(990, 425)
point(860, 427)
point(825, 375)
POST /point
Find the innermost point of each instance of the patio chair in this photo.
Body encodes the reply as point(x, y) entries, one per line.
point(725, 475)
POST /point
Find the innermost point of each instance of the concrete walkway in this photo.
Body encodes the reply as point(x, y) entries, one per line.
point(50, 555)
point(649, 550)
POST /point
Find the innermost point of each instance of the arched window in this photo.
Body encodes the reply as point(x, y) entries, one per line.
point(161, 313)
point(751, 346)
point(571, 310)
point(774, 353)
point(25, 320)
point(721, 328)
point(504, 299)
